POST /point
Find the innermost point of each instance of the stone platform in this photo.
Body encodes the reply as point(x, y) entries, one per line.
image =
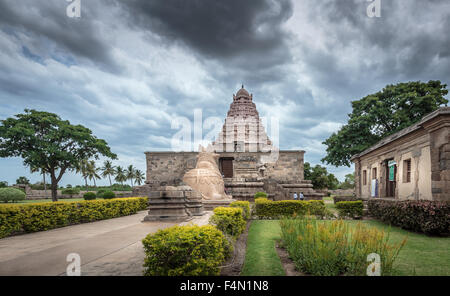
point(210, 205)
point(174, 203)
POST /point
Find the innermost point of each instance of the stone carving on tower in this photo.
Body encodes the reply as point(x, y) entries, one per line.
point(243, 130)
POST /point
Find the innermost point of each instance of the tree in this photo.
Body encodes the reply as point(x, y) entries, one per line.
point(81, 168)
point(349, 182)
point(139, 177)
point(120, 175)
point(22, 180)
point(91, 172)
point(108, 170)
point(46, 141)
point(381, 114)
point(320, 177)
point(42, 171)
point(130, 173)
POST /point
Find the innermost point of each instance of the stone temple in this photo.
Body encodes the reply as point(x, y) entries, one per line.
point(248, 160)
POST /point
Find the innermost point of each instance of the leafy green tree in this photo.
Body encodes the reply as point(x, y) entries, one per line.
point(349, 182)
point(120, 175)
point(42, 171)
point(46, 141)
point(381, 114)
point(22, 180)
point(91, 172)
point(108, 170)
point(320, 177)
point(139, 177)
point(81, 168)
point(130, 173)
point(3, 184)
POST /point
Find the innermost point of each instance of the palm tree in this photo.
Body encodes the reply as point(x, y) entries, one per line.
point(120, 175)
point(139, 177)
point(34, 169)
point(91, 172)
point(81, 168)
point(130, 172)
point(108, 170)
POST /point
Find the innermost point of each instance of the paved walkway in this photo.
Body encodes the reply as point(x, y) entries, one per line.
point(108, 247)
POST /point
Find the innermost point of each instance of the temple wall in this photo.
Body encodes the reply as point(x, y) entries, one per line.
point(170, 167)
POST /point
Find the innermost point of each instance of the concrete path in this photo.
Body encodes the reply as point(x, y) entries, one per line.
point(108, 247)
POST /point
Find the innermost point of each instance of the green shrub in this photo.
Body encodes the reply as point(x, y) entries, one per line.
point(430, 217)
point(331, 248)
point(229, 221)
point(15, 219)
point(71, 191)
point(108, 195)
point(11, 194)
point(260, 194)
point(288, 208)
point(245, 205)
point(337, 199)
point(351, 209)
point(185, 251)
point(89, 196)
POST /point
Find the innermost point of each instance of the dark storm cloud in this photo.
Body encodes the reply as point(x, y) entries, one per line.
point(249, 33)
point(59, 36)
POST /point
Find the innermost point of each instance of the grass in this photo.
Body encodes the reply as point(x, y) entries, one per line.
point(261, 258)
point(422, 255)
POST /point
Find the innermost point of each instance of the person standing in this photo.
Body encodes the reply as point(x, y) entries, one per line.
point(302, 197)
point(295, 196)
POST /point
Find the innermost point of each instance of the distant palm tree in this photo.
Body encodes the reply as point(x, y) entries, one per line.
point(139, 177)
point(81, 168)
point(131, 173)
point(91, 172)
point(34, 169)
point(120, 175)
point(108, 170)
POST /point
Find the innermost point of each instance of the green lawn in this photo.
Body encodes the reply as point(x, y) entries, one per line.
point(261, 258)
point(422, 255)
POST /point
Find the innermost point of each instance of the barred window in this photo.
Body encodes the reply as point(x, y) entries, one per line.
point(407, 171)
point(364, 177)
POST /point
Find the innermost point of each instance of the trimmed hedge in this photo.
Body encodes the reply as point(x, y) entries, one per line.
point(275, 209)
point(245, 205)
point(185, 251)
point(108, 195)
point(351, 209)
point(229, 220)
point(337, 199)
point(15, 219)
point(430, 217)
point(260, 194)
point(11, 194)
point(89, 196)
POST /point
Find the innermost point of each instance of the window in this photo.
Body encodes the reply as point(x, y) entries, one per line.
point(364, 177)
point(374, 173)
point(407, 171)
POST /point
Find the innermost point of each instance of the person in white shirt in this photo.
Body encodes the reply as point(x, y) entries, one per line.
point(301, 196)
point(295, 196)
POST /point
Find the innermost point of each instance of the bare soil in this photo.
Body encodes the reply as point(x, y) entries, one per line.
point(288, 264)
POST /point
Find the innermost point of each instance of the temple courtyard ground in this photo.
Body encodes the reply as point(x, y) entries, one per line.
point(108, 247)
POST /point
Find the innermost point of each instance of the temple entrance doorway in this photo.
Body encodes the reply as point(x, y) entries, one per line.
point(226, 167)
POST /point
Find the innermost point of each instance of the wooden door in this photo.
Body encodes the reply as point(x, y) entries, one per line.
point(226, 165)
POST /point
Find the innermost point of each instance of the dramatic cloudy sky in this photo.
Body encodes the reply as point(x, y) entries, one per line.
point(125, 69)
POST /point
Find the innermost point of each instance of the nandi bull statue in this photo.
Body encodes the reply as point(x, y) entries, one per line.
point(206, 177)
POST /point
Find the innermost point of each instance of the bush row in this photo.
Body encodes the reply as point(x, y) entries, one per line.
point(196, 250)
point(275, 209)
point(431, 217)
point(185, 251)
point(229, 220)
point(34, 217)
point(345, 198)
point(11, 194)
point(245, 205)
point(351, 209)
